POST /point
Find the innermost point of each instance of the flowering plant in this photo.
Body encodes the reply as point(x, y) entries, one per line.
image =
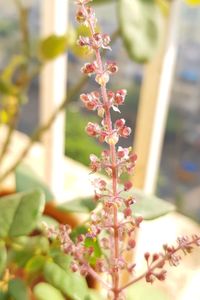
point(112, 222)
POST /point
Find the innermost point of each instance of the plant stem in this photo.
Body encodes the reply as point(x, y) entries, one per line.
point(115, 275)
point(8, 138)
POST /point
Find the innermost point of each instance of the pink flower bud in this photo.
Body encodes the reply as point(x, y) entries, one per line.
point(125, 131)
point(106, 39)
point(74, 267)
point(83, 41)
point(131, 244)
point(112, 67)
point(149, 277)
point(129, 201)
point(120, 97)
point(133, 157)
point(102, 136)
point(95, 163)
point(123, 153)
point(146, 256)
point(120, 123)
point(155, 257)
point(127, 212)
point(88, 69)
point(127, 185)
point(84, 98)
point(138, 220)
point(81, 16)
point(161, 276)
point(110, 95)
point(92, 129)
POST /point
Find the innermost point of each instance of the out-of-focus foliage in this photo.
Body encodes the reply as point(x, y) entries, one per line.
point(148, 206)
point(192, 2)
point(52, 46)
point(141, 24)
point(20, 213)
point(78, 145)
point(26, 179)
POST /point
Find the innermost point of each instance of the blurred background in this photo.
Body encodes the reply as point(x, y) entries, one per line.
point(178, 24)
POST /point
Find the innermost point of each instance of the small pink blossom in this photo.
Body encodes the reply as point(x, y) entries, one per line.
point(93, 129)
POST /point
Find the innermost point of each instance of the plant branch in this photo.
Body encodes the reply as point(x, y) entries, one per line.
point(166, 257)
point(8, 138)
point(41, 130)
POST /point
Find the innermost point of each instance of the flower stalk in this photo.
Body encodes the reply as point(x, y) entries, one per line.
point(112, 223)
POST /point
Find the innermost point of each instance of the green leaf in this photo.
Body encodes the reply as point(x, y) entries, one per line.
point(27, 247)
point(69, 283)
point(97, 250)
point(18, 290)
point(35, 264)
point(140, 291)
point(26, 179)
point(149, 206)
point(81, 205)
point(4, 296)
point(3, 258)
point(94, 295)
point(53, 46)
point(44, 291)
point(193, 2)
point(21, 213)
point(48, 220)
point(141, 23)
point(102, 1)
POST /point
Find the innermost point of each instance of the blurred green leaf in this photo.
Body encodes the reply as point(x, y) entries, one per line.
point(26, 178)
point(48, 220)
point(18, 290)
point(44, 291)
point(62, 260)
point(27, 247)
point(3, 258)
point(103, 1)
point(21, 213)
point(35, 264)
point(77, 231)
point(94, 295)
point(164, 6)
point(149, 206)
point(69, 283)
point(53, 46)
point(140, 291)
point(193, 2)
point(81, 51)
point(97, 250)
point(141, 23)
point(4, 295)
point(81, 205)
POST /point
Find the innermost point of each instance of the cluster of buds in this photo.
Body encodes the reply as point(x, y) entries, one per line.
point(113, 221)
point(97, 41)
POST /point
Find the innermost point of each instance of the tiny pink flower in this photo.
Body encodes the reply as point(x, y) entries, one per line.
point(120, 123)
point(89, 69)
point(92, 129)
point(127, 185)
point(120, 97)
point(111, 67)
